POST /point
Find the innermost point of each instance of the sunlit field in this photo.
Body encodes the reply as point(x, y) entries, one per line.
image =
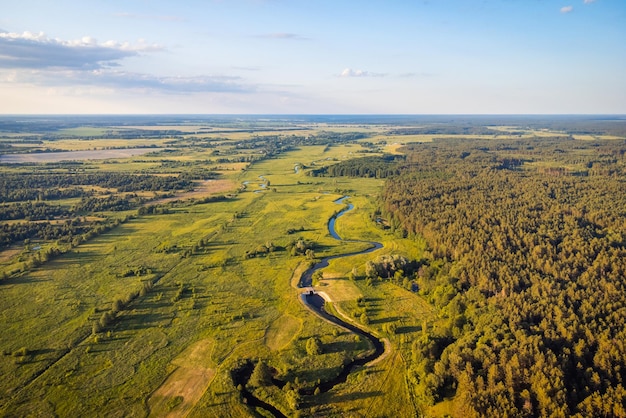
point(148, 282)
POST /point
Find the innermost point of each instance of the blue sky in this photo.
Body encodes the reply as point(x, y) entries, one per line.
point(313, 56)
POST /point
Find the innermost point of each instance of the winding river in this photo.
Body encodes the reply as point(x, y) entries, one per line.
point(316, 303)
point(305, 281)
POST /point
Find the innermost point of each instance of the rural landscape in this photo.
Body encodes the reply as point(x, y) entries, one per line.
point(281, 266)
point(293, 208)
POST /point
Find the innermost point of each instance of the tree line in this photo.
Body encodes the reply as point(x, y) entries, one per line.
point(371, 166)
point(17, 186)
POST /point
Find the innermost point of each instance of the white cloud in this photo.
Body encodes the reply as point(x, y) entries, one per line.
point(129, 81)
point(38, 51)
point(567, 9)
point(349, 72)
point(34, 59)
point(589, 1)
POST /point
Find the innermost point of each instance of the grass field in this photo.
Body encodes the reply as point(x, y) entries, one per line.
point(169, 351)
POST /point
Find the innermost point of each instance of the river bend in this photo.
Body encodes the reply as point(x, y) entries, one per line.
point(316, 303)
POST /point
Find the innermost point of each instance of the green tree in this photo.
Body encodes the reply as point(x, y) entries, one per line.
point(314, 346)
point(261, 375)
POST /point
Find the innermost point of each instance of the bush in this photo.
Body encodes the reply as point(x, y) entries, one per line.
point(314, 346)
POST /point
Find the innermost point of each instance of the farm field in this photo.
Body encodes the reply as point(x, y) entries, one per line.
point(51, 157)
point(148, 284)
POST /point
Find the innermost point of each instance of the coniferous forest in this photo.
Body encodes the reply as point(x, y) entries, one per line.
point(526, 265)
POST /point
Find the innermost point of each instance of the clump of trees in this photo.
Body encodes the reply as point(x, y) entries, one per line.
point(261, 375)
point(262, 250)
point(21, 187)
point(71, 232)
point(31, 211)
point(108, 317)
point(314, 346)
point(302, 247)
point(374, 166)
point(393, 267)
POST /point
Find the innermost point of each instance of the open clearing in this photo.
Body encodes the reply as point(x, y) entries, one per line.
point(281, 332)
point(177, 396)
point(55, 157)
point(204, 189)
point(340, 289)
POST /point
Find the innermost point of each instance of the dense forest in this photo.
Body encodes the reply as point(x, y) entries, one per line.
point(372, 166)
point(527, 268)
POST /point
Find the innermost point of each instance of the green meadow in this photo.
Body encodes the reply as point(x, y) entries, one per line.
point(151, 317)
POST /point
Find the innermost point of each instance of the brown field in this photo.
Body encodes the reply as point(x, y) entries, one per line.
point(55, 157)
point(204, 189)
point(180, 392)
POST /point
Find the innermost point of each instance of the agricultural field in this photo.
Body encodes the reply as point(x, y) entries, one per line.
point(148, 283)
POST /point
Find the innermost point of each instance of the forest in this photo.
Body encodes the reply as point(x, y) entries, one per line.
point(526, 265)
point(376, 166)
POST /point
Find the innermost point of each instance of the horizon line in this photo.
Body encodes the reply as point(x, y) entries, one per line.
point(311, 114)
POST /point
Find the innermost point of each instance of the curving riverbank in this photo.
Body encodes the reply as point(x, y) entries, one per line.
point(315, 302)
point(306, 279)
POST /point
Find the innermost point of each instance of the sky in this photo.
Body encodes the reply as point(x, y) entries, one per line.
point(313, 57)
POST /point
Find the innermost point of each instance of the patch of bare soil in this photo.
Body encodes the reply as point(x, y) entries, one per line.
point(182, 390)
point(9, 253)
point(206, 188)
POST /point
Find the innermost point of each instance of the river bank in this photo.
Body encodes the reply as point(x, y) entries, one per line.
point(315, 302)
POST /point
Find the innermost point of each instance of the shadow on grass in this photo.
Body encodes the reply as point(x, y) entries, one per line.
point(156, 304)
point(408, 329)
point(43, 351)
point(211, 244)
point(143, 320)
point(384, 320)
point(356, 396)
point(99, 348)
point(339, 398)
point(340, 347)
point(25, 279)
point(76, 256)
point(42, 355)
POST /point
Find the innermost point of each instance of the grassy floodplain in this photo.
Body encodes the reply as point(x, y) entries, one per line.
point(193, 278)
point(170, 350)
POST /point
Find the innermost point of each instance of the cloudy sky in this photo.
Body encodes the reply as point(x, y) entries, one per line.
point(313, 56)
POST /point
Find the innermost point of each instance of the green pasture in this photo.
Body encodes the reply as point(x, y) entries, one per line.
point(247, 307)
point(208, 294)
